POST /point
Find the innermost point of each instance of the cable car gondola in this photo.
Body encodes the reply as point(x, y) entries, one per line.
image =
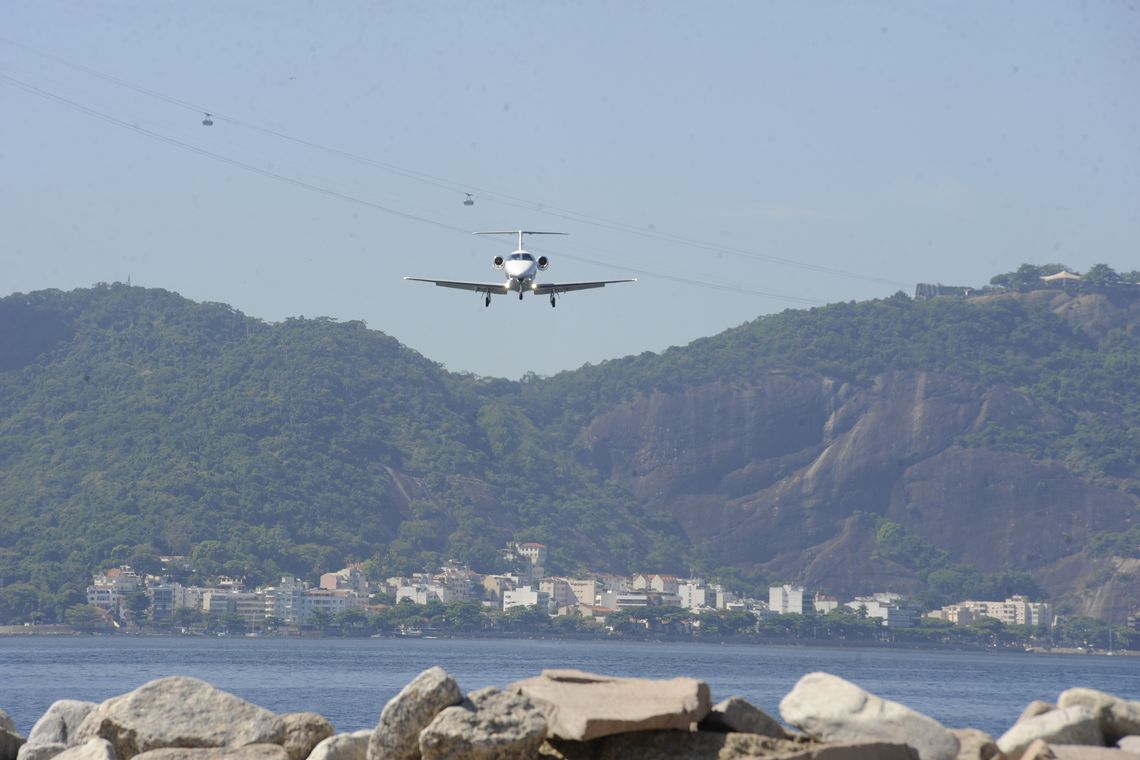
point(470, 201)
point(208, 121)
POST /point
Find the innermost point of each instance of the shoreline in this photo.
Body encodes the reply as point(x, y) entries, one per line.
point(51, 631)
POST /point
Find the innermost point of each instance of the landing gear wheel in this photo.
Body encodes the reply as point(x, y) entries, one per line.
point(520, 295)
point(487, 301)
point(552, 301)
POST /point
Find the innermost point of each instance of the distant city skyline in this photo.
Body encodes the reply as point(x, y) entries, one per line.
point(738, 159)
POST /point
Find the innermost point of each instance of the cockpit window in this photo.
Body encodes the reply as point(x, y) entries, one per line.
point(521, 257)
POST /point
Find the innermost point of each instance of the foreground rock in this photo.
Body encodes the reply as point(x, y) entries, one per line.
point(352, 746)
point(93, 749)
point(61, 720)
point(490, 725)
point(1065, 725)
point(397, 734)
point(10, 739)
point(709, 745)
point(303, 732)
point(738, 715)
point(178, 712)
point(248, 752)
point(1117, 717)
point(581, 706)
point(832, 709)
point(975, 745)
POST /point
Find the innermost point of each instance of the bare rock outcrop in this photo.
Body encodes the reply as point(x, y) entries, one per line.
point(397, 734)
point(582, 706)
point(489, 725)
point(832, 709)
point(178, 712)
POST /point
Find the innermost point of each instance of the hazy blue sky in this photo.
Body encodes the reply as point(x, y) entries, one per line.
point(739, 158)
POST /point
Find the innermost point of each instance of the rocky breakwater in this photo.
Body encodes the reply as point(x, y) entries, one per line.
point(567, 715)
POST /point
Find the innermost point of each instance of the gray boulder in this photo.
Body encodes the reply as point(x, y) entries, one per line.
point(832, 709)
point(94, 749)
point(1130, 744)
point(1118, 717)
point(303, 732)
point(491, 725)
point(397, 734)
point(1066, 725)
point(44, 751)
point(10, 743)
point(582, 706)
point(738, 715)
point(179, 712)
point(974, 744)
point(10, 740)
point(1035, 708)
point(247, 752)
point(352, 746)
point(60, 721)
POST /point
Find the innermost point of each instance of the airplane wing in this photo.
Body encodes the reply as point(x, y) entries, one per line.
point(478, 287)
point(565, 287)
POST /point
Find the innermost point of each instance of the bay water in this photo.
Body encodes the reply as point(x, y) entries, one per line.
point(349, 680)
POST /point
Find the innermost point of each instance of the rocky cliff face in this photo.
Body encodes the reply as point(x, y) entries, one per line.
point(780, 472)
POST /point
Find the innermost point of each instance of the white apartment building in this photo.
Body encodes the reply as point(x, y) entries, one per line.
point(534, 553)
point(1016, 610)
point(888, 607)
point(662, 584)
point(696, 595)
point(786, 599)
point(584, 590)
point(525, 597)
point(559, 591)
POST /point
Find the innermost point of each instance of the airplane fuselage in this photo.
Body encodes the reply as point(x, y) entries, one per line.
point(521, 269)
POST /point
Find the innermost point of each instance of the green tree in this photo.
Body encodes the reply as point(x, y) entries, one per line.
point(82, 616)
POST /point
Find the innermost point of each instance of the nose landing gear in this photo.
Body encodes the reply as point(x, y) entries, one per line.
point(520, 295)
point(553, 303)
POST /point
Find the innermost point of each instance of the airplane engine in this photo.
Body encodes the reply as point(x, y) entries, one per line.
point(543, 263)
point(497, 262)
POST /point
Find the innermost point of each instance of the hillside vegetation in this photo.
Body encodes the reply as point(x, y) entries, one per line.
point(135, 423)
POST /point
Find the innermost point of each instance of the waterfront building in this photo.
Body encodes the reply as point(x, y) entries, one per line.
point(786, 599)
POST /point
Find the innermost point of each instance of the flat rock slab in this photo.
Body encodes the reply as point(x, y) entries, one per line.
point(178, 712)
point(582, 706)
point(831, 709)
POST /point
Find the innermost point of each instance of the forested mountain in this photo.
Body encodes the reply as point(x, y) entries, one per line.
point(941, 447)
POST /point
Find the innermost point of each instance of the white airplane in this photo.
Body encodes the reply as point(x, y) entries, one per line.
point(521, 269)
